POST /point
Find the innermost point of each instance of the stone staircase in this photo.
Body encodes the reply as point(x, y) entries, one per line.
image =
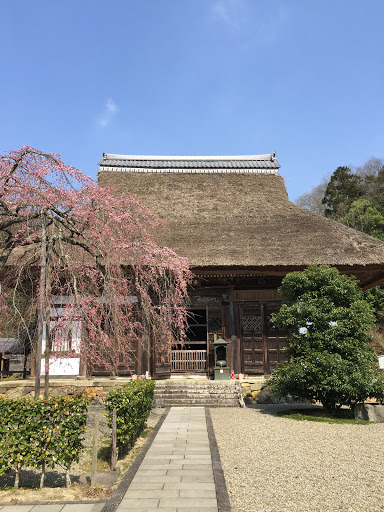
point(197, 393)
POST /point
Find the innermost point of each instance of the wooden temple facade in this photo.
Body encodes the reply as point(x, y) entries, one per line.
point(232, 218)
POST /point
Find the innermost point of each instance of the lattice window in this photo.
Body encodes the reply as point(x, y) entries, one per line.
point(215, 324)
point(251, 323)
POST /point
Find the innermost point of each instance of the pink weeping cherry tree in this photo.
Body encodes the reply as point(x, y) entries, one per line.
point(65, 240)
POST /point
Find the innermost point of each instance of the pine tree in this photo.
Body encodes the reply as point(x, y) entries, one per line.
point(343, 188)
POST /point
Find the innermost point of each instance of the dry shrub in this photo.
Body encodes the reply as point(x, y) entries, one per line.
point(99, 491)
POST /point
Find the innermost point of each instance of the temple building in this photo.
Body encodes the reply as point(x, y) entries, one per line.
point(231, 217)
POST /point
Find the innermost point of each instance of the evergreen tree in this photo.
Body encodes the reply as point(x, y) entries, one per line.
point(331, 357)
point(376, 192)
point(343, 188)
point(363, 216)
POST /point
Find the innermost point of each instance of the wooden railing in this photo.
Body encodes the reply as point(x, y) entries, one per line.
point(188, 360)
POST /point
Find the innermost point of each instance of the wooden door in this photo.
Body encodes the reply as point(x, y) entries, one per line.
point(252, 326)
point(262, 343)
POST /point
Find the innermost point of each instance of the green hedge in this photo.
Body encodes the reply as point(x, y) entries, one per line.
point(133, 404)
point(41, 433)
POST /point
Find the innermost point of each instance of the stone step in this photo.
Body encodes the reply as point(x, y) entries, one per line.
point(195, 398)
point(203, 394)
point(169, 389)
point(216, 387)
point(193, 394)
point(197, 403)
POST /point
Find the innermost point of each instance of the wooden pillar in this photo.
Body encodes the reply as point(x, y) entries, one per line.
point(229, 358)
point(139, 355)
point(236, 358)
point(264, 338)
point(227, 332)
point(83, 366)
point(227, 327)
point(234, 335)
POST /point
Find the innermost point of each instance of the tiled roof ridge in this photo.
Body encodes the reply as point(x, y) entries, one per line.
point(269, 156)
point(240, 164)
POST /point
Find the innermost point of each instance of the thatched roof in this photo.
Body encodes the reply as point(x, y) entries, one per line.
point(242, 219)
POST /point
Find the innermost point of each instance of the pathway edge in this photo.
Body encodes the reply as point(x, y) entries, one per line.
point(122, 488)
point(222, 495)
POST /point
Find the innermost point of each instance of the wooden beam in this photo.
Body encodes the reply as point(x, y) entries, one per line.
point(375, 281)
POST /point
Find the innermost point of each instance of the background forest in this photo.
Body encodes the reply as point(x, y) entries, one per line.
point(354, 196)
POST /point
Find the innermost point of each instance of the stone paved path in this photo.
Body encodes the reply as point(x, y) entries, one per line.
point(176, 474)
point(52, 507)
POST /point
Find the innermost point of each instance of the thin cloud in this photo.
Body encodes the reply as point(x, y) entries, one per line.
point(238, 17)
point(110, 110)
point(230, 12)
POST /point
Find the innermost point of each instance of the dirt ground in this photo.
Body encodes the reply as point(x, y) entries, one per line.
point(81, 489)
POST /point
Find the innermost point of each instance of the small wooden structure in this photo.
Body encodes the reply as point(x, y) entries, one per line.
point(12, 356)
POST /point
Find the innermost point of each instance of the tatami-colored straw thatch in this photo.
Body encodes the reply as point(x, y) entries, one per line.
point(241, 218)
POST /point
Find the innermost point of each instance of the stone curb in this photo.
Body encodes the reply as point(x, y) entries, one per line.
point(33, 503)
point(122, 488)
point(222, 496)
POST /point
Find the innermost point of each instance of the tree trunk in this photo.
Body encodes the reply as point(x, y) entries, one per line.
point(41, 302)
point(67, 477)
point(25, 367)
point(329, 407)
point(114, 447)
point(46, 357)
point(47, 319)
point(17, 478)
point(42, 475)
point(94, 448)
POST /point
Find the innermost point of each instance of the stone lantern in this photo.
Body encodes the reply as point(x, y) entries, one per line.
point(221, 370)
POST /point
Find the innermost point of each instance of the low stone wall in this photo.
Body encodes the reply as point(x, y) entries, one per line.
point(256, 391)
point(96, 390)
point(370, 412)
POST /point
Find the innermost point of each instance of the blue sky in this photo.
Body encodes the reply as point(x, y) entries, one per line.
point(196, 77)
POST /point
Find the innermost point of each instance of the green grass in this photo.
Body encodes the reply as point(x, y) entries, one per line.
point(145, 433)
point(342, 416)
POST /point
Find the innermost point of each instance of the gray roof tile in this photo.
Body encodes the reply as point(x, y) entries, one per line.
point(201, 162)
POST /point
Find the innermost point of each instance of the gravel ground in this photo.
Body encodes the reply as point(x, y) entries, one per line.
point(277, 464)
